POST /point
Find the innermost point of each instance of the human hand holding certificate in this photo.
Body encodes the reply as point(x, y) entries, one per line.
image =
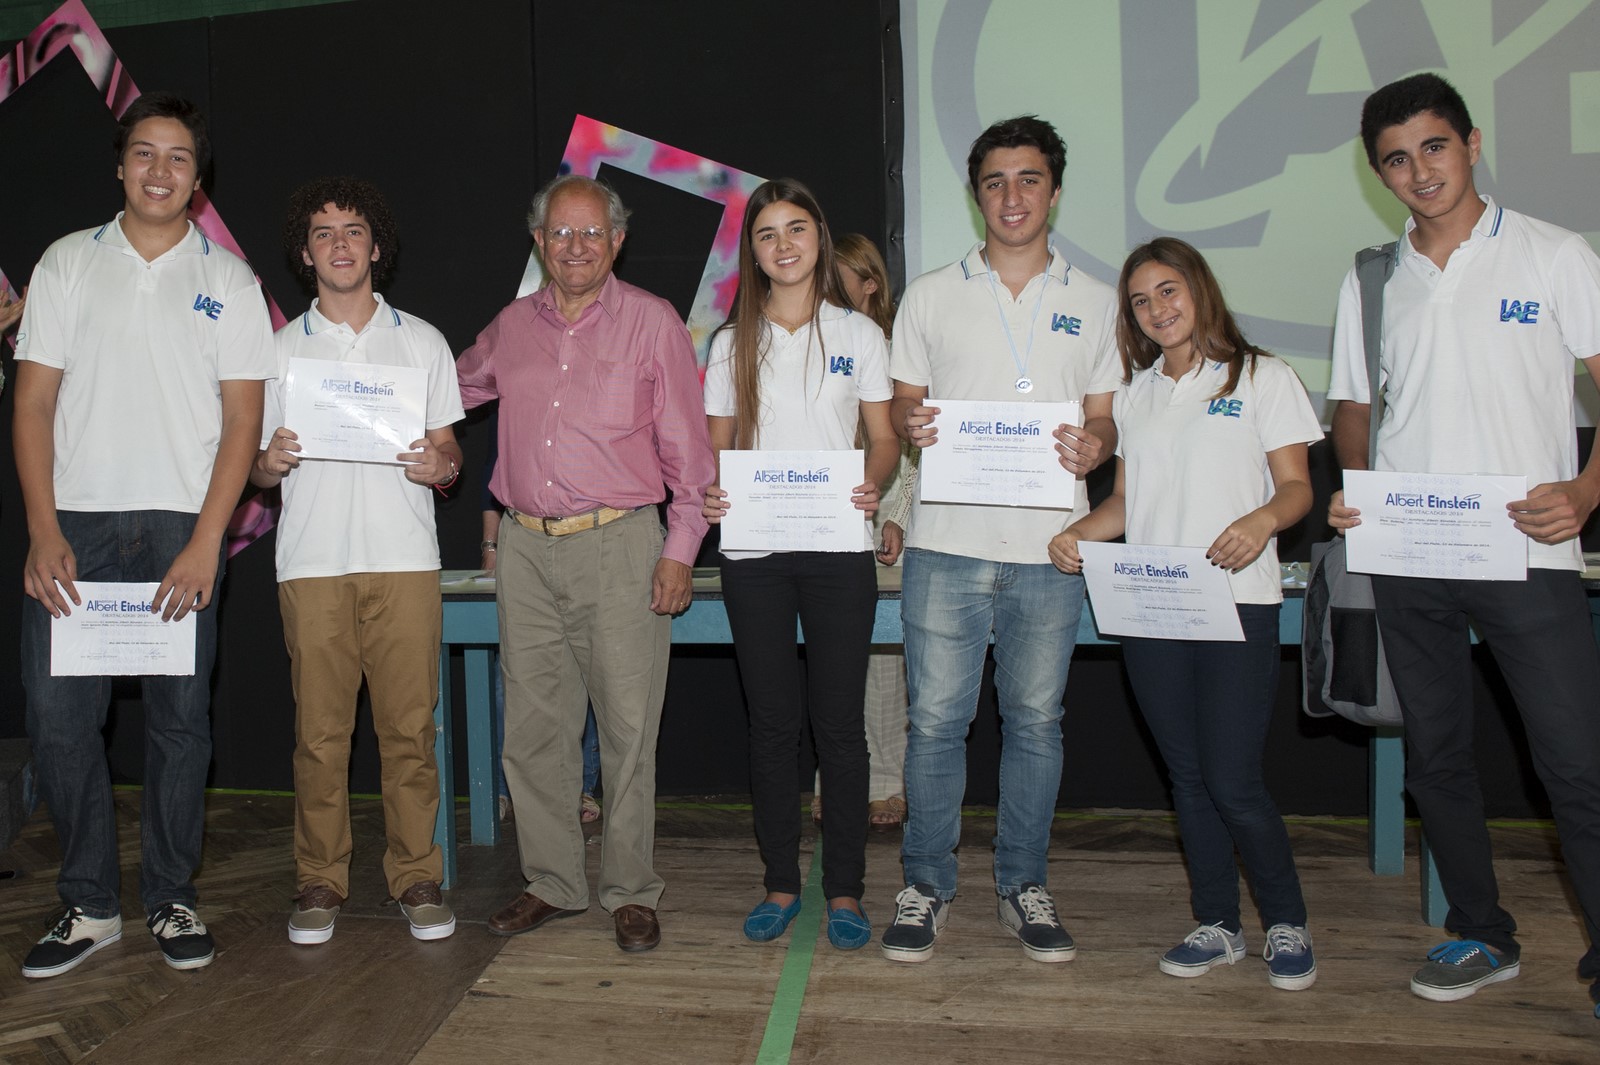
point(1435, 525)
point(793, 501)
point(354, 411)
point(1164, 593)
point(999, 453)
point(114, 634)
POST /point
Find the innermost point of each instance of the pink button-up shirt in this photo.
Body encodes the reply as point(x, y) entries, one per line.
point(604, 411)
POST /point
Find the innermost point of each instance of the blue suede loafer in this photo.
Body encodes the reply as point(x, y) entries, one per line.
point(848, 930)
point(768, 921)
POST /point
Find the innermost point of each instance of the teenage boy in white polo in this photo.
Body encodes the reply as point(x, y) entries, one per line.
point(358, 568)
point(1482, 318)
point(138, 406)
point(1012, 321)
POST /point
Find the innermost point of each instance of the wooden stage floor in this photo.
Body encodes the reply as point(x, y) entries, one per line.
point(565, 994)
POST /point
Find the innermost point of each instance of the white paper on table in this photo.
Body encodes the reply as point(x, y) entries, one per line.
point(998, 452)
point(354, 411)
point(1164, 593)
point(1435, 525)
point(114, 634)
point(793, 501)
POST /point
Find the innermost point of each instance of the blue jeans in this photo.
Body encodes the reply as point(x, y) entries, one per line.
point(950, 604)
point(65, 717)
point(591, 741)
point(1209, 703)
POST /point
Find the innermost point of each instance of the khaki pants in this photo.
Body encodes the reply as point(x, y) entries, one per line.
point(384, 626)
point(576, 627)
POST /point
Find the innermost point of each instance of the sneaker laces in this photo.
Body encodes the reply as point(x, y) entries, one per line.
point(61, 932)
point(1037, 906)
point(1285, 939)
point(1201, 939)
point(912, 907)
point(175, 920)
point(1460, 951)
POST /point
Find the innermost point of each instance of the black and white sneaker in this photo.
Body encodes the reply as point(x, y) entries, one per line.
point(1030, 915)
point(71, 939)
point(919, 916)
point(182, 937)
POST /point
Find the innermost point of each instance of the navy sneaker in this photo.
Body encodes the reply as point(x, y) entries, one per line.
point(183, 939)
point(71, 939)
point(1456, 970)
point(1030, 915)
point(919, 917)
point(1202, 950)
point(1290, 964)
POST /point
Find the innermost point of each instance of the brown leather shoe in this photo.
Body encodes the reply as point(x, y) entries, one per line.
point(526, 912)
point(637, 928)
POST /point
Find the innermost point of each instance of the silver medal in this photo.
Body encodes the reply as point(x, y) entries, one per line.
point(1024, 385)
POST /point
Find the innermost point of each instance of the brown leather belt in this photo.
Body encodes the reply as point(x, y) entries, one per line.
point(590, 519)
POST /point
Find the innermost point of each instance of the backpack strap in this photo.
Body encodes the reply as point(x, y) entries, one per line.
point(1374, 267)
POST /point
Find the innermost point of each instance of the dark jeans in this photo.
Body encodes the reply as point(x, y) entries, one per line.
point(66, 715)
point(835, 596)
point(1208, 704)
point(1540, 633)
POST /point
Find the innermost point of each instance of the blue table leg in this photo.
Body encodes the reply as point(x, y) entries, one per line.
point(444, 825)
point(480, 745)
point(1434, 904)
point(1386, 804)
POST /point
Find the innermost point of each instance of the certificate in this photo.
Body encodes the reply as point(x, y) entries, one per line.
point(793, 501)
point(1436, 525)
point(999, 453)
point(114, 634)
point(354, 411)
point(1164, 593)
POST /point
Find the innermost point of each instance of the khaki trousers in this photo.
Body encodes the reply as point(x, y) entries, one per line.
point(575, 628)
point(384, 626)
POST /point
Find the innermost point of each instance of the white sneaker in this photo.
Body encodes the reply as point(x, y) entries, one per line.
point(71, 939)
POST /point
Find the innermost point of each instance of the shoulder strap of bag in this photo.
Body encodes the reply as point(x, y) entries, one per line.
point(1374, 266)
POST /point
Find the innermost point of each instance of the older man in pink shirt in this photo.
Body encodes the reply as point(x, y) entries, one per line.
point(600, 417)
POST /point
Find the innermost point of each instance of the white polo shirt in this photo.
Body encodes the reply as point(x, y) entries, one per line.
point(811, 393)
point(949, 337)
point(360, 517)
point(142, 349)
point(1193, 464)
point(1477, 358)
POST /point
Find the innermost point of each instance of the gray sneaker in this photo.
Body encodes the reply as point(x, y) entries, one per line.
point(425, 908)
point(311, 920)
point(919, 916)
point(1030, 915)
point(1457, 969)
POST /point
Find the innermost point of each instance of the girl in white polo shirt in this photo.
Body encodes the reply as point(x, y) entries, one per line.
point(1212, 440)
point(794, 369)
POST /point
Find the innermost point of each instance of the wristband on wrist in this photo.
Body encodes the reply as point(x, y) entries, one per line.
point(455, 472)
point(488, 545)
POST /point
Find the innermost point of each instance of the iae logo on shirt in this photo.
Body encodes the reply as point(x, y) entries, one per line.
point(1228, 408)
point(1524, 311)
point(207, 306)
point(842, 364)
point(1060, 323)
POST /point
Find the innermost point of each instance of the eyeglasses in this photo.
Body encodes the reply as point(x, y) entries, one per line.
point(563, 234)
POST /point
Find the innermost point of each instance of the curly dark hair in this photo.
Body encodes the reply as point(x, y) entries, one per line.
point(351, 194)
point(1023, 131)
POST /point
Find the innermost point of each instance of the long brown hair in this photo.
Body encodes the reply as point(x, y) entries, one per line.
point(747, 320)
point(1216, 335)
point(861, 257)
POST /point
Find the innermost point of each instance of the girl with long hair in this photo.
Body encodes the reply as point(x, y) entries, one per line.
point(795, 369)
point(1212, 441)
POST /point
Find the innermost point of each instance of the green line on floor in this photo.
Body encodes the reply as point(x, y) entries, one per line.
point(778, 1042)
